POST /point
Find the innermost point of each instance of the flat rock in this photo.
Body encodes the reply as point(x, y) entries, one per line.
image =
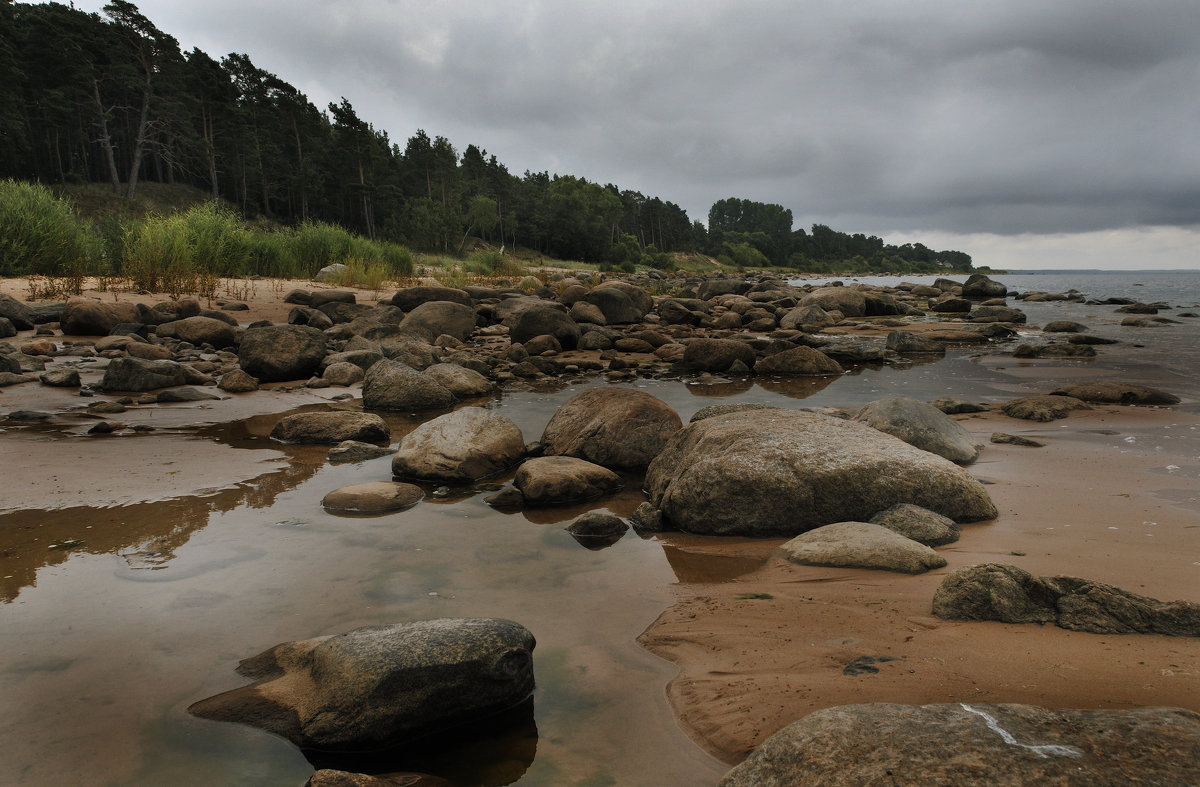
point(860, 545)
point(355, 451)
point(554, 480)
point(959, 744)
point(783, 472)
point(463, 446)
point(995, 591)
point(908, 343)
point(331, 427)
point(372, 497)
point(621, 428)
point(1115, 393)
point(1042, 408)
point(136, 374)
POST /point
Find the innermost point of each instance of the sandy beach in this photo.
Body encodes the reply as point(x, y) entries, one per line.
point(754, 641)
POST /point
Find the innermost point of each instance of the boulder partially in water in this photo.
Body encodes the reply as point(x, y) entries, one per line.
point(460, 447)
point(1105, 392)
point(381, 686)
point(331, 428)
point(783, 472)
point(619, 428)
point(554, 480)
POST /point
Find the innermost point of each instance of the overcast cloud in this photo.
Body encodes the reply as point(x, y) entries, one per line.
point(1047, 134)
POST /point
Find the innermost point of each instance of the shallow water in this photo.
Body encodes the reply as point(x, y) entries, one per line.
point(114, 619)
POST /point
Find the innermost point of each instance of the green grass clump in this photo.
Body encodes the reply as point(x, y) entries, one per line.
point(41, 235)
point(185, 252)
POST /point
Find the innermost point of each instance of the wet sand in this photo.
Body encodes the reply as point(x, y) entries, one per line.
point(760, 651)
point(132, 589)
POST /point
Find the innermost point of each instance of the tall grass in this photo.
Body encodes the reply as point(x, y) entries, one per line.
point(185, 252)
point(41, 235)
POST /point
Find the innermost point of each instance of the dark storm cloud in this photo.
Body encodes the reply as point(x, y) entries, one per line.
point(1012, 117)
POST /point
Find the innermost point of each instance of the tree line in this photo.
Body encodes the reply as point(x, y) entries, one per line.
point(111, 98)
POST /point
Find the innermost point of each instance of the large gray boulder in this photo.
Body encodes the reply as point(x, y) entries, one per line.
point(716, 355)
point(619, 428)
point(392, 385)
point(923, 425)
point(410, 298)
point(459, 380)
point(136, 374)
point(847, 300)
point(860, 545)
point(18, 313)
point(546, 318)
point(809, 315)
point(460, 447)
point(615, 305)
point(996, 314)
point(556, 480)
point(201, 330)
point(435, 318)
point(958, 744)
point(978, 285)
point(641, 300)
point(783, 472)
point(381, 686)
point(331, 428)
point(799, 361)
point(275, 353)
point(996, 591)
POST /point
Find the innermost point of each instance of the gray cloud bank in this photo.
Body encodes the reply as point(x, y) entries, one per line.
point(1073, 116)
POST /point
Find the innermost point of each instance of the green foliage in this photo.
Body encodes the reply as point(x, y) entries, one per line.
point(743, 255)
point(41, 234)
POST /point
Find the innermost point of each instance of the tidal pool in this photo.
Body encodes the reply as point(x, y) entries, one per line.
point(115, 618)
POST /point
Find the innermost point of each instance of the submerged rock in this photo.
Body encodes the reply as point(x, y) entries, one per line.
point(957, 743)
point(372, 497)
point(784, 472)
point(331, 427)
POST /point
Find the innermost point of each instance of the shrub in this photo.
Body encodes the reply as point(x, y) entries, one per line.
point(41, 235)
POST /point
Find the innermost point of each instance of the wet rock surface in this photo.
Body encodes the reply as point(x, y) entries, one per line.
point(618, 428)
point(381, 686)
point(861, 545)
point(460, 447)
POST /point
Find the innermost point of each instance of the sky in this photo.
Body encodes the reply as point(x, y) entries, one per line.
point(1027, 133)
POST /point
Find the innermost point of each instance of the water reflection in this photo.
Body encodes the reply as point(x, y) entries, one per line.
point(495, 751)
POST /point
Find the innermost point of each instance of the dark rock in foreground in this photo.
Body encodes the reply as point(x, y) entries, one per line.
point(995, 591)
point(958, 744)
point(381, 686)
point(331, 428)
